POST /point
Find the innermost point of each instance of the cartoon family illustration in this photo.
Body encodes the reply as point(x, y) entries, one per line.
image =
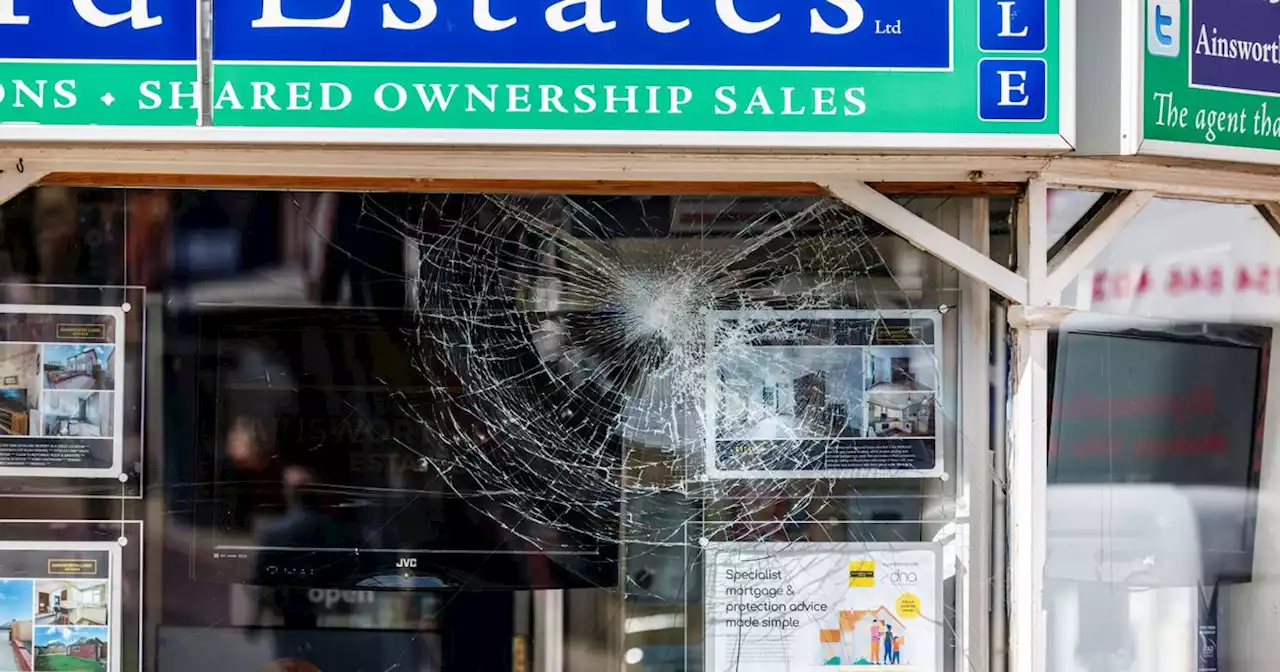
point(886, 648)
point(865, 637)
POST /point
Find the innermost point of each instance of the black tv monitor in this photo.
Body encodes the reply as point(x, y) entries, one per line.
point(330, 455)
point(15, 398)
point(1179, 408)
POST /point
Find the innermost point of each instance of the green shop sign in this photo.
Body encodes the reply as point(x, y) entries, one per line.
point(839, 73)
point(1211, 79)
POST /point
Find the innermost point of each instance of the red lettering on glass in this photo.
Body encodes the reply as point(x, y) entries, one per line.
point(1215, 280)
point(1259, 281)
point(1144, 282)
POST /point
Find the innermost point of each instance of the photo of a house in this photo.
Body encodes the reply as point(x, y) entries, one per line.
point(79, 367)
point(71, 602)
point(84, 414)
point(19, 389)
point(15, 622)
point(893, 414)
point(68, 648)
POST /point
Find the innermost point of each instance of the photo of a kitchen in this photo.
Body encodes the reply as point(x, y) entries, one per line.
point(901, 398)
point(72, 602)
point(901, 415)
point(81, 414)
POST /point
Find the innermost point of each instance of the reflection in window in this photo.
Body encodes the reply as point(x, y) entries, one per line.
point(1068, 209)
point(1186, 260)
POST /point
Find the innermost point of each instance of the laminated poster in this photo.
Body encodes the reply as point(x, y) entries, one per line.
point(61, 410)
point(59, 604)
point(823, 606)
point(823, 394)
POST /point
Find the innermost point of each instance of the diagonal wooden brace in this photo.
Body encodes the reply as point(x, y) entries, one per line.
point(930, 238)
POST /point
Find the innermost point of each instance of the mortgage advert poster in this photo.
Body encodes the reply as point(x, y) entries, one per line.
point(823, 606)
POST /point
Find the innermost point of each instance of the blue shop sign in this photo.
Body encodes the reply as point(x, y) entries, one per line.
point(848, 34)
point(134, 30)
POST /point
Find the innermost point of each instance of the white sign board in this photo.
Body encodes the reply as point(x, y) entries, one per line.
point(823, 606)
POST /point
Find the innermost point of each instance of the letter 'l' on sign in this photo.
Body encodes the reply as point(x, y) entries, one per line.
point(1013, 25)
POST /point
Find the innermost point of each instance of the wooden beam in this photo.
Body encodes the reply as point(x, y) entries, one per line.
point(548, 186)
point(499, 163)
point(930, 238)
point(429, 185)
point(15, 180)
point(1175, 178)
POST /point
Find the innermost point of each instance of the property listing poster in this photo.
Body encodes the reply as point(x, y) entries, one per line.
point(57, 608)
point(60, 380)
point(823, 606)
point(823, 394)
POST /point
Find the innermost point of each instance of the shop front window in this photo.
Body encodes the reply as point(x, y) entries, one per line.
point(1161, 520)
point(492, 432)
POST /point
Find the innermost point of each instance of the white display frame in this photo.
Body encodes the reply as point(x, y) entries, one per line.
point(709, 548)
point(711, 395)
point(114, 575)
point(117, 444)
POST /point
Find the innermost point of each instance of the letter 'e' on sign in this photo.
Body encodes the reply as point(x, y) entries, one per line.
point(1012, 89)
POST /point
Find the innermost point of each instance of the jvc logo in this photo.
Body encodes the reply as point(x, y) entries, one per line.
point(407, 563)
point(1164, 27)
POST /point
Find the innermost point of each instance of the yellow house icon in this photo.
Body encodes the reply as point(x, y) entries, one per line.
point(862, 574)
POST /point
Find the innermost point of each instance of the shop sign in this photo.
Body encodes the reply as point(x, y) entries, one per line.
point(98, 62)
point(1211, 79)
point(925, 73)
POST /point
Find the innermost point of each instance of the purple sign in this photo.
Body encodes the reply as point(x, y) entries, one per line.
point(1235, 44)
